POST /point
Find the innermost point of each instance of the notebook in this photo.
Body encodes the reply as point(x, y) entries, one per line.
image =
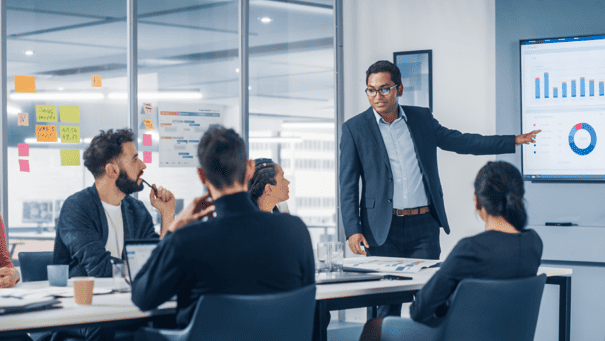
point(345, 277)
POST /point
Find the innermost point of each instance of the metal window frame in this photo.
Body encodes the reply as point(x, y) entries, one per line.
point(4, 118)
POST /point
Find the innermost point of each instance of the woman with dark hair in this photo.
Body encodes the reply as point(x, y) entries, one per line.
point(268, 185)
point(505, 250)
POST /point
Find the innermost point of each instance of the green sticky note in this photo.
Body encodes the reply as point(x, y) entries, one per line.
point(70, 134)
point(46, 113)
point(69, 114)
point(70, 157)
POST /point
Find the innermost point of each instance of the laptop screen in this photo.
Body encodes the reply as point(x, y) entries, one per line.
point(137, 253)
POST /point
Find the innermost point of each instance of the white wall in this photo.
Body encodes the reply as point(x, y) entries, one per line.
point(462, 37)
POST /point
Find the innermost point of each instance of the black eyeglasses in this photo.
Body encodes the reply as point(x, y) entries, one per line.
point(383, 91)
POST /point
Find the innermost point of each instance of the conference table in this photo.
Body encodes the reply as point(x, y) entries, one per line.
point(117, 309)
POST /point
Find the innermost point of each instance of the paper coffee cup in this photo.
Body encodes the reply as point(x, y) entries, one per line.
point(83, 290)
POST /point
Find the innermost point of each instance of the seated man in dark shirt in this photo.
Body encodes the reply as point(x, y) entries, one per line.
point(505, 250)
point(240, 251)
point(94, 222)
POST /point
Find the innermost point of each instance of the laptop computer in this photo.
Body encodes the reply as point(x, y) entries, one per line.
point(137, 253)
point(345, 277)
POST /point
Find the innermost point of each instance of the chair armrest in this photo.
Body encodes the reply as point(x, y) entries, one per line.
point(152, 334)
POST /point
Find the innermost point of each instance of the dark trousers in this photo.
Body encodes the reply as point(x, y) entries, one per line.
point(414, 236)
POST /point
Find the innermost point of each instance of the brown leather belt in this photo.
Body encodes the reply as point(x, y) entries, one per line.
point(410, 211)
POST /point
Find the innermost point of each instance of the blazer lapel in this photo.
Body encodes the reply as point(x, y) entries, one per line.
point(377, 136)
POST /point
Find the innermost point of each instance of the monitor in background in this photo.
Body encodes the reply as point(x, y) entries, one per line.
point(38, 211)
point(563, 94)
point(137, 253)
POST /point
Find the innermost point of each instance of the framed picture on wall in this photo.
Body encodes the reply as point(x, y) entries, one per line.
point(416, 77)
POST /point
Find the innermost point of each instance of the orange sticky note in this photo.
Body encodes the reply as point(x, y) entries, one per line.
point(147, 157)
point(24, 165)
point(96, 81)
point(23, 149)
point(148, 123)
point(23, 119)
point(148, 108)
point(25, 84)
point(46, 133)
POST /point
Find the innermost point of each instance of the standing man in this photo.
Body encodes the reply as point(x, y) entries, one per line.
point(394, 150)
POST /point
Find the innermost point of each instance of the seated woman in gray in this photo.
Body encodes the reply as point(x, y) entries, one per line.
point(268, 186)
point(505, 250)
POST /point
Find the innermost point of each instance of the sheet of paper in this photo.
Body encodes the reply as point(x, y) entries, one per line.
point(147, 140)
point(147, 157)
point(394, 265)
point(70, 157)
point(46, 133)
point(23, 119)
point(23, 149)
point(70, 134)
point(46, 113)
point(25, 84)
point(69, 114)
point(148, 123)
point(148, 108)
point(24, 165)
point(96, 81)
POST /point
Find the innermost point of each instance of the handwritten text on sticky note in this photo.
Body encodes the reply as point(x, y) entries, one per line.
point(69, 114)
point(46, 113)
point(25, 84)
point(23, 119)
point(24, 165)
point(146, 140)
point(23, 149)
point(46, 133)
point(96, 81)
point(70, 157)
point(147, 157)
point(148, 108)
point(148, 123)
point(70, 134)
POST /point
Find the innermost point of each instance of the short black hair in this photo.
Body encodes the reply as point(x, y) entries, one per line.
point(223, 155)
point(385, 66)
point(104, 148)
point(264, 173)
point(499, 189)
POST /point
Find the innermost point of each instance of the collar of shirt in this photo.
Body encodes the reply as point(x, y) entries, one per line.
point(234, 204)
point(379, 118)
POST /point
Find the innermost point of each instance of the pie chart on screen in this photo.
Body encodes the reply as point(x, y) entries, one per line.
point(593, 139)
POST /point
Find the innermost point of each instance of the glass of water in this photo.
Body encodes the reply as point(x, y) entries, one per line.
point(323, 256)
point(336, 256)
point(119, 277)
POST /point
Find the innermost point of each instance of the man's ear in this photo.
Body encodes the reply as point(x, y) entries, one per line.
point(112, 170)
point(400, 90)
point(250, 167)
point(202, 175)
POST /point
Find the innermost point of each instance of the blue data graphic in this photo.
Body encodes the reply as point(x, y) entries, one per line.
point(593, 138)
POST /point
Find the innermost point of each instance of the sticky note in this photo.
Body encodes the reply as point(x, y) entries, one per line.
point(46, 113)
point(23, 149)
point(23, 119)
point(148, 123)
point(148, 108)
point(70, 157)
point(70, 134)
point(147, 157)
point(96, 81)
point(46, 133)
point(69, 114)
point(146, 140)
point(25, 84)
point(24, 165)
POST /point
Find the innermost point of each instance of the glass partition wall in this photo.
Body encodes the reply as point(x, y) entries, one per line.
point(187, 62)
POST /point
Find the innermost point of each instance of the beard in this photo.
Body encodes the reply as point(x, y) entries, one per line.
point(126, 185)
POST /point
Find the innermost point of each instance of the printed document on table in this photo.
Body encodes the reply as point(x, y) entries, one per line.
point(387, 264)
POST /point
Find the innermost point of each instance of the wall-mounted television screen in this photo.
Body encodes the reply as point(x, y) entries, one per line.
point(562, 93)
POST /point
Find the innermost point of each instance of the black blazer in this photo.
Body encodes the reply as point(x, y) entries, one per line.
point(363, 154)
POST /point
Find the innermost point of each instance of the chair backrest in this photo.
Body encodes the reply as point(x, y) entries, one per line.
point(279, 316)
point(494, 310)
point(33, 265)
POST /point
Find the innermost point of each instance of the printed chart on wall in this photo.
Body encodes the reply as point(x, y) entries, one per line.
point(563, 93)
point(181, 130)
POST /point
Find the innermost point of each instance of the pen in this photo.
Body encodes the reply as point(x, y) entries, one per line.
point(147, 183)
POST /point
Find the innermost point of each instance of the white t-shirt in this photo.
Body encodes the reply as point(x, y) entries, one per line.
point(115, 224)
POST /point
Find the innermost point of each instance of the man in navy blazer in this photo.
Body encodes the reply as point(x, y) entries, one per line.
point(393, 149)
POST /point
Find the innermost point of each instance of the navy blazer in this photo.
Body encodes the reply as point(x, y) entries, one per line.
point(363, 154)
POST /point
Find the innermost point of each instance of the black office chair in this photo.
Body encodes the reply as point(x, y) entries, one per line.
point(33, 265)
point(279, 316)
point(481, 309)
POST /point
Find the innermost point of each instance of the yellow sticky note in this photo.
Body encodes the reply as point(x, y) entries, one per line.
point(46, 113)
point(69, 114)
point(25, 84)
point(70, 134)
point(148, 123)
point(96, 81)
point(70, 157)
point(46, 133)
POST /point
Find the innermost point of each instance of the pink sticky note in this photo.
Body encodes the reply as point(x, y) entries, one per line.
point(146, 140)
point(147, 157)
point(23, 149)
point(24, 165)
